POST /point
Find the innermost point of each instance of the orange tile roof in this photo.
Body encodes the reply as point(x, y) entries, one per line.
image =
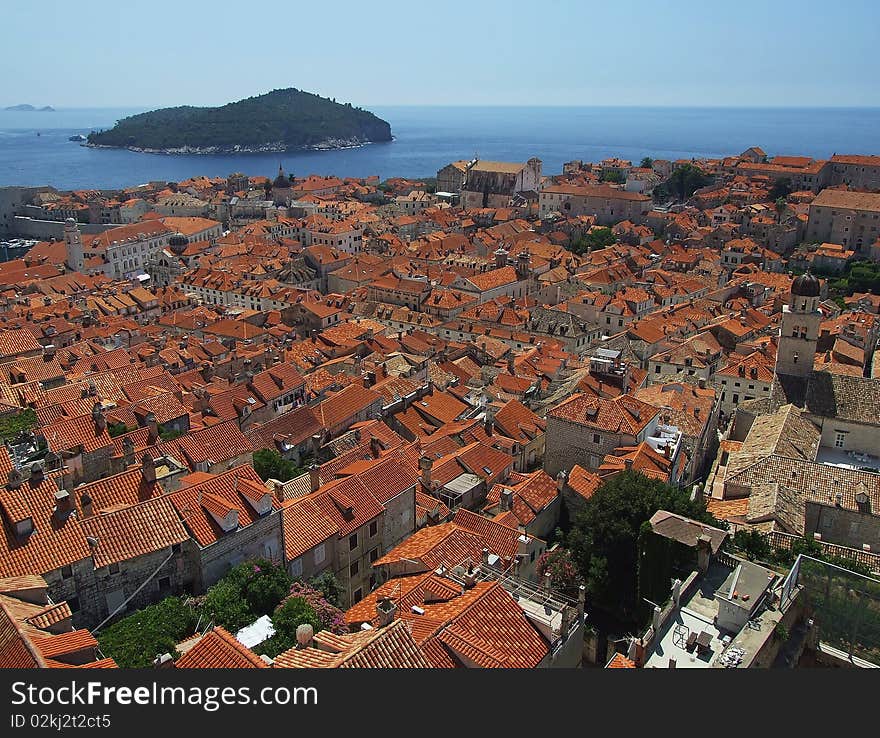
point(219, 649)
point(134, 531)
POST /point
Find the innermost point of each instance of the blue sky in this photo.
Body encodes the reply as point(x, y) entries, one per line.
point(536, 52)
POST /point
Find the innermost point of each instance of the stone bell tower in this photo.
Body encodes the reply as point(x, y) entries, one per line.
point(72, 240)
point(799, 331)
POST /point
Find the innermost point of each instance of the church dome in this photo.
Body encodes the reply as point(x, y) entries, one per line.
point(177, 242)
point(807, 285)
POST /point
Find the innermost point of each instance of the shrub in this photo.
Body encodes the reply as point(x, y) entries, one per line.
point(247, 592)
point(292, 613)
point(136, 640)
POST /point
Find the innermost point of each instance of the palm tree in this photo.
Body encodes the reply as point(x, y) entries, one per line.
point(780, 206)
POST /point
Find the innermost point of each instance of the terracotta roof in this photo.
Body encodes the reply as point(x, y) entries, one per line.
point(219, 649)
point(134, 531)
point(392, 647)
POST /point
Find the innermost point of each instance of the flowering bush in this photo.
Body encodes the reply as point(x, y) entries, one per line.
point(331, 618)
point(562, 570)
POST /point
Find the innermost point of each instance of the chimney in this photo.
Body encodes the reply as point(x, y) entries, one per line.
point(48, 351)
point(386, 609)
point(37, 472)
point(314, 477)
point(278, 488)
point(14, 479)
point(63, 503)
point(207, 372)
point(628, 463)
point(506, 502)
point(85, 501)
point(375, 447)
point(98, 418)
point(425, 464)
point(486, 556)
point(582, 601)
point(305, 636)
point(127, 451)
point(152, 426)
point(655, 619)
point(487, 424)
point(314, 336)
point(316, 444)
point(148, 468)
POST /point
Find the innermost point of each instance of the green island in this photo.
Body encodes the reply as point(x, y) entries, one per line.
point(276, 121)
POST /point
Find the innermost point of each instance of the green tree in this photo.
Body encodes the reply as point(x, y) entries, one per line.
point(171, 434)
point(289, 615)
point(604, 537)
point(781, 188)
point(612, 176)
point(12, 425)
point(753, 544)
point(780, 205)
point(270, 464)
point(596, 238)
point(248, 591)
point(136, 640)
point(647, 163)
point(328, 585)
point(686, 180)
point(117, 429)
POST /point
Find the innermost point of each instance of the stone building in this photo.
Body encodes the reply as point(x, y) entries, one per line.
point(844, 217)
point(492, 184)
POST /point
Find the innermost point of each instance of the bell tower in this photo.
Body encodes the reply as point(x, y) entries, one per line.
point(72, 240)
point(799, 331)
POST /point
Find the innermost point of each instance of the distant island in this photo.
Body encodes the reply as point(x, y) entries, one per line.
point(31, 109)
point(277, 121)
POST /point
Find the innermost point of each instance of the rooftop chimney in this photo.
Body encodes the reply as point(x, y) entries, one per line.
point(386, 609)
point(148, 468)
point(98, 418)
point(85, 501)
point(63, 503)
point(487, 424)
point(14, 479)
point(152, 427)
point(314, 477)
point(425, 464)
point(305, 636)
point(506, 502)
point(37, 472)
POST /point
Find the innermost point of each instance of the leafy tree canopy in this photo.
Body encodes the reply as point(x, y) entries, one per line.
point(647, 163)
point(250, 590)
point(12, 425)
point(604, 537)
point(781, 188)
point(270, 464)
point(686, 180)
point(136, 640)
point(596, 238)
point(292, 613)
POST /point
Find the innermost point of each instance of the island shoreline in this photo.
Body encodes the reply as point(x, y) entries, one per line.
point(268, 148)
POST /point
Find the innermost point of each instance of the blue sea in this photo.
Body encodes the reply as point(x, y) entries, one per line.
point(427, 138)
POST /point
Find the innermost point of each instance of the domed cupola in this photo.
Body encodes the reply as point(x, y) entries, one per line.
point(807, 285)
point(178, 243)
